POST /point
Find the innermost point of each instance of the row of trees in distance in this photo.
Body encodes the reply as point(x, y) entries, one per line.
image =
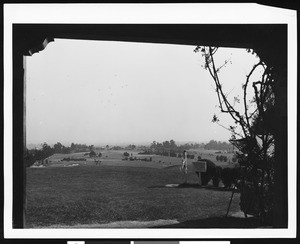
point(46, 151)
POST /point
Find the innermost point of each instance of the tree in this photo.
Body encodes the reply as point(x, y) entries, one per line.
point(29, 158)
point(172, 144)
point(252, 132)
point(92, 153)
point(46, 151)
point(58, 147)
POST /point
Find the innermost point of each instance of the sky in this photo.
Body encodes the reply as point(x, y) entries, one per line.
point(106, 92)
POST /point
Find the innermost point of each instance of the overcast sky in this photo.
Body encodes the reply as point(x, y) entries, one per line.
point(100, 92)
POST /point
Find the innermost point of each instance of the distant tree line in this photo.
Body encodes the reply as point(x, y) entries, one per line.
point(171, 149)
point(130, 147)
point(167, 148)
point(130, 157)
point(217, 145)
point(46, 151)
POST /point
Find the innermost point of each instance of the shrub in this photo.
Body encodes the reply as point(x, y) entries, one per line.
point(126, 154)
point(229, 176)
point(199, 158)
point(217, 176)
point(210, 171)
point(92, 154)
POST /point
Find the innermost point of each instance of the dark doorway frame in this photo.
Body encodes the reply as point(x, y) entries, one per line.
point(31, 38)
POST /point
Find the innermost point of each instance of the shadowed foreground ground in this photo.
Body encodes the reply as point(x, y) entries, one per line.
point(87, 196)
point(217, 222)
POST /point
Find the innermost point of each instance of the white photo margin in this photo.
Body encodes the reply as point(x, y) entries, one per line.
point(154, 14)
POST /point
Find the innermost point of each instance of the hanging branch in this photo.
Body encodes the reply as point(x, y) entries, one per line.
point(221, 96)
point(245, 91)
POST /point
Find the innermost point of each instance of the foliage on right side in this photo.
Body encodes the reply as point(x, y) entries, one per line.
point(252, 133)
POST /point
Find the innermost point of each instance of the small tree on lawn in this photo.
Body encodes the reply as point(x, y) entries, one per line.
point(92, 153)
point(252, 132)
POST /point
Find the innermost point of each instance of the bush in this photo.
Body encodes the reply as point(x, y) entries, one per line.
point(146, 152)
point(29, 159)
point(199, 158)
point(217, 176)
point(229, 176)
point(210, 171)
point(73, 159)
point(126, 154)
point(92, 154)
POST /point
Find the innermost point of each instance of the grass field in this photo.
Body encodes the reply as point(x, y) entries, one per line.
point(114, 157)
point(118, 191)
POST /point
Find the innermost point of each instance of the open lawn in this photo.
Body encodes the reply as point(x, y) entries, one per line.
point(112, 192)
point(114, 158)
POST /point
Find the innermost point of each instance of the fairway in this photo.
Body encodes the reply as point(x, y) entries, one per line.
point(109, 193)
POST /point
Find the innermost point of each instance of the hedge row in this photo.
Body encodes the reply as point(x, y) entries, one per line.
point(73, 159)
point(216, 173)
